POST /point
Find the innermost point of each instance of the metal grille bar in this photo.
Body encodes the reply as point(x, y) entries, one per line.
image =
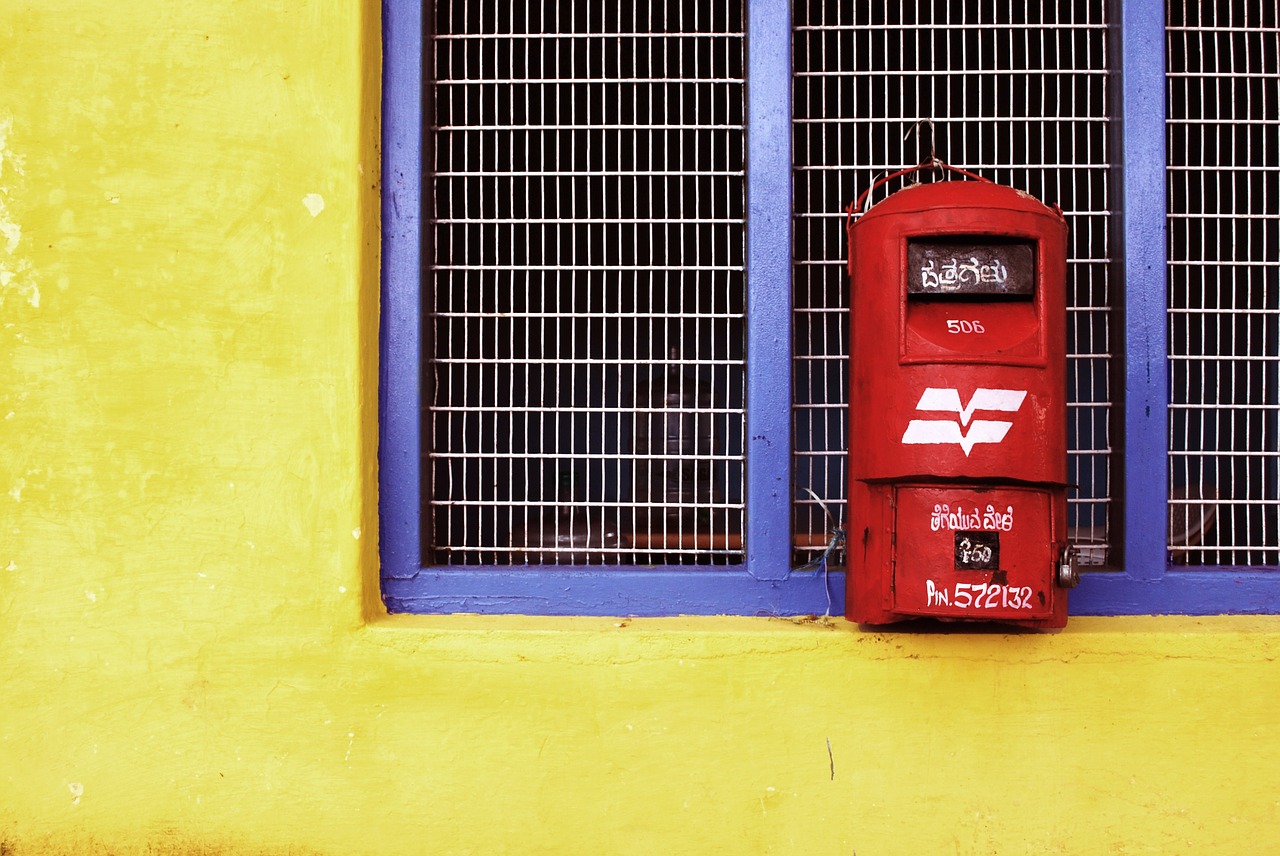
point(1223, 128)
point(1015, 91)
point(584, 318)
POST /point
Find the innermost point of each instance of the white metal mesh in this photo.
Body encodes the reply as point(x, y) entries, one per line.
point(584, 339)
point(1017, 91)
point(1224, 281)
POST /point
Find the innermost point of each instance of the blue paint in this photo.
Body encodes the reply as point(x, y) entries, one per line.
point(645, 592)
point(1143, 249)
point(768, 257)
point(1211, 591)
point(399, 398)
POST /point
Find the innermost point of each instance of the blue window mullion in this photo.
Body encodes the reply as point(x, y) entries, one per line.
point(768, 278)
point(1143, 250)
point(399, 403)
point(1145, 254)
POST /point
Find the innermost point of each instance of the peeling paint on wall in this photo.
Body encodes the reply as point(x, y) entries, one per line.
point(16, 274)
point(314, 203)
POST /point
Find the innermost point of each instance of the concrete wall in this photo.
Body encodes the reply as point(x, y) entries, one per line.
point(191, 654)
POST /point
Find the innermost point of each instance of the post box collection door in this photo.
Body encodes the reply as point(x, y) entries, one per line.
point(957, 407)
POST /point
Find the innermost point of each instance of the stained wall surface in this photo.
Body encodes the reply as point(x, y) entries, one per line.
point(191, 655)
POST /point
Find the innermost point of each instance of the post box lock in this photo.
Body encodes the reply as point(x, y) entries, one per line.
point(1068, 571)
point(957, 407)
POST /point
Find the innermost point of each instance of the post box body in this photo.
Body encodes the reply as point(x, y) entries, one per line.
point(957, 407)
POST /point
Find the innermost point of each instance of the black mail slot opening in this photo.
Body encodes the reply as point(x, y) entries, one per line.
point(962, 266)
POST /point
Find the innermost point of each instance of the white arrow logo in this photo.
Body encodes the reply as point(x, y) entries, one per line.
point(947, 432)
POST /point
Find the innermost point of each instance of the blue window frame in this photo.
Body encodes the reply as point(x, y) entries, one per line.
point(766, 582)
point(1149, 584)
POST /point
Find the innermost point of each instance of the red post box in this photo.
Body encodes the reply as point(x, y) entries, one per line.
point(957, 408)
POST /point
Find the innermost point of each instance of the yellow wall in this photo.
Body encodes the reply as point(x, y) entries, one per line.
point(188, 549)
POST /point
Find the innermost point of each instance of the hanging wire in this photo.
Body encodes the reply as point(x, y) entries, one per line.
point(835, 536)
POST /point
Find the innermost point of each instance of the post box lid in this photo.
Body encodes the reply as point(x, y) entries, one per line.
point(959, 194)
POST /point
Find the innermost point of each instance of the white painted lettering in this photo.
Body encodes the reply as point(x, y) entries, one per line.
point(978, 596)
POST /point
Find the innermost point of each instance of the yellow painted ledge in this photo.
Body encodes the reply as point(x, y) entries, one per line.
point(1248, 637)
point(468, 734)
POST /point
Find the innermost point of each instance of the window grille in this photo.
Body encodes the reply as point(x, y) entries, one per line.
point(1224, 281)
point(1015, 91)
point(539, 134)
point(584, 335)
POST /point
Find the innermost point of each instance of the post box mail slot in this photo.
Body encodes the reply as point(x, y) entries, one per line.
point(958, 267)
point(957, 413)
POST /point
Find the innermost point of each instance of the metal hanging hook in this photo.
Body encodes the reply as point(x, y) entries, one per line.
point(855, 209)
point(933, 151)
point(881, 178)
